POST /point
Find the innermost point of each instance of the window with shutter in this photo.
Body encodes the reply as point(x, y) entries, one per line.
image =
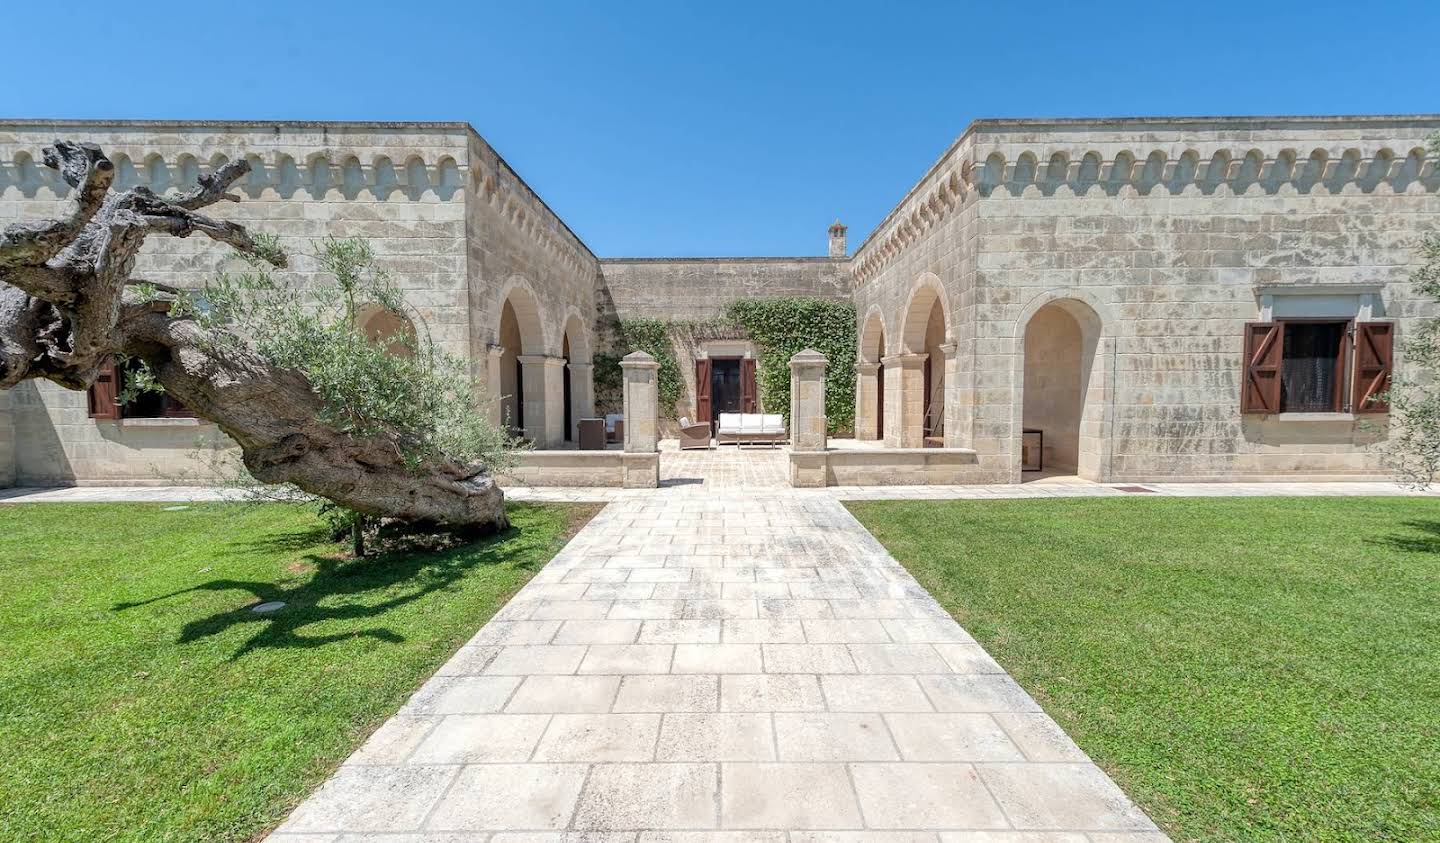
point(1374, 346)
point(105, 393)
point(1260, 388)
point(104, 398)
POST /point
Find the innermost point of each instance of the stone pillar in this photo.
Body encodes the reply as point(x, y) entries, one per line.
point(905, 401)
point(867, 385)
point(641, 389)
point(544, 399)
point(582, 396)
point(493, 390)
point(807, 401)
point(642, 403)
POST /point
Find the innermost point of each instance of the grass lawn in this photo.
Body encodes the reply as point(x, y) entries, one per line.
point(140, 699)
point(1247, 669)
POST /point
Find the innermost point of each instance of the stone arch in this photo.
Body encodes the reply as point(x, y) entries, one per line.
point(380, 324)
point(870, 378)
point(518, 336)
point(920, 386)
point(577, 384)
point(1063, 379)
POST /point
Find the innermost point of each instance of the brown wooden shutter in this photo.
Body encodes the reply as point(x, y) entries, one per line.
point(104, 393)
point(702, 390)
point(1374, 346)
point(1264, 349)
point(747, 385)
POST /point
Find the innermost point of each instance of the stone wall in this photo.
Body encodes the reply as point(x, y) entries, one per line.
point(701, 289)
point(1171, 234)
point(445, 215)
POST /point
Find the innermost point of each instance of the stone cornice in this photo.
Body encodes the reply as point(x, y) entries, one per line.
point(987, 169)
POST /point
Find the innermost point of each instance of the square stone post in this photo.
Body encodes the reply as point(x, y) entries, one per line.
point(807, 401)
point(905, 401)
point(582, 396)
point(807, 419)
point(544, 399)
point(641, 459)
point(867, 385)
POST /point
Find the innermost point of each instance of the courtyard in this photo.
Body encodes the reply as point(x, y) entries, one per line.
point(736, 656)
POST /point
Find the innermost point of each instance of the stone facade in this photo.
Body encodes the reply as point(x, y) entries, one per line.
point(460, 231)
point(1090, 279)
point(1111, 265)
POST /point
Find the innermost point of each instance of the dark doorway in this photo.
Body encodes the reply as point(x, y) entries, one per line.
point(880, 401)
point(565, 388)
point(725, 386)
point(520, 396)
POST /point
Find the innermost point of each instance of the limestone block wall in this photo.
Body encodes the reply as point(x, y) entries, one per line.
point(521, 252)
point(1170, 234)
point(407, 188)
point(701, 289)
point(923, 250)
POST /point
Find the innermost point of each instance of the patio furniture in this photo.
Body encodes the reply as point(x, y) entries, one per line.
point(694, 434)
point(753, 428)
point(615, 427)
point(592, 434)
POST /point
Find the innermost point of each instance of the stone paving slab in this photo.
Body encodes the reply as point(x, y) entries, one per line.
point(741, 666)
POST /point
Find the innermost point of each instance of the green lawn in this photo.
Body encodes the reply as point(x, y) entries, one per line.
point(1247, 669)
point(140, 699)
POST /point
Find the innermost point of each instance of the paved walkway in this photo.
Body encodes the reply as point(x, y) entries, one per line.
point(751, 660)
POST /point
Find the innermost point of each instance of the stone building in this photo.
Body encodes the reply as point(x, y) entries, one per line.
point(1158, 298)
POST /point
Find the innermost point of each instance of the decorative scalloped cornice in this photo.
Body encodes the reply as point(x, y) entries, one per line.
point(319, 175)
point(1235, 171)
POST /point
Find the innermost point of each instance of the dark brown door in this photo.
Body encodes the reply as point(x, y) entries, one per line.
point(747, 385)
point(702, 390)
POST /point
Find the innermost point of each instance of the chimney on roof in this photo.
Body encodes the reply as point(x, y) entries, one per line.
point(837, 239)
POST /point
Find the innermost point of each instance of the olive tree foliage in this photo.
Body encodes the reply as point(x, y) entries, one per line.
point(287, 373)
point(1414, 446)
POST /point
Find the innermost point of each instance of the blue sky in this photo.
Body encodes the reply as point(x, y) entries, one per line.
point(733, 128)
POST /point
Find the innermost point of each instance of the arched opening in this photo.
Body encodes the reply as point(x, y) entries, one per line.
point(518, 336)
point(577, 386)
point(388, 328)
point(870, 415)
point(1061, 413)
point(926, 333)
point(512, 382)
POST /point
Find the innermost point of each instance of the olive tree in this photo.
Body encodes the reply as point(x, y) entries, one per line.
point(287, 374)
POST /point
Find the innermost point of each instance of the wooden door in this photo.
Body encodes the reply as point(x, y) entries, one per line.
point(747, 385)
point(702, 390)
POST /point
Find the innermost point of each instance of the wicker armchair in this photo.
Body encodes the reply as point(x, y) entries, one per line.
point(694, 434)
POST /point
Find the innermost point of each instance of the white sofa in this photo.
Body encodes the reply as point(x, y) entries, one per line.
point(741, 428)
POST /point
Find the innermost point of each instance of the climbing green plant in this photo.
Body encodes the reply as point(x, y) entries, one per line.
point(782, 327)
point(651, 336)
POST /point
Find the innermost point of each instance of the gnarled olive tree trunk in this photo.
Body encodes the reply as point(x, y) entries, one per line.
point(68, 303)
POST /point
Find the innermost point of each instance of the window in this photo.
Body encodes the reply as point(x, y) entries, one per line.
point(1313, 366)
point(105, 394)
point(1316, 366)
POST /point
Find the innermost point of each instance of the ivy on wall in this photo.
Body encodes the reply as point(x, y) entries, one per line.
point(651, 336)
point(780, 328)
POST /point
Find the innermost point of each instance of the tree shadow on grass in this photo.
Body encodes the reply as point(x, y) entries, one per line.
point(351, 589)
point(1424, 538)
